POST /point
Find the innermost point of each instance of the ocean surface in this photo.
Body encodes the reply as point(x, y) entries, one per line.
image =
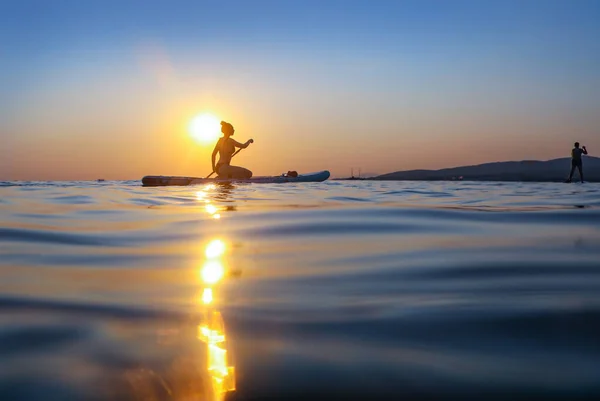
point(335, 290)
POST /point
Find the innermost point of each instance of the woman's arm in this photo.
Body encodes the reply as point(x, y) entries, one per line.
point(242, 145)
point(584, 150)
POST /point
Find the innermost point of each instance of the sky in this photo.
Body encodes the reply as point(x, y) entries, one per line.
point(107, 89)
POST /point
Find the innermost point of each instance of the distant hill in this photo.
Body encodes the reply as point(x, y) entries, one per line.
point(556, 170)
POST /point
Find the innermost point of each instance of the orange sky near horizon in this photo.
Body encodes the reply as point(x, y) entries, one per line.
point(126, 130)
point(155, 140)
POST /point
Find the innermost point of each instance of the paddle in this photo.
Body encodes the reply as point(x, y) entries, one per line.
point(234, 153)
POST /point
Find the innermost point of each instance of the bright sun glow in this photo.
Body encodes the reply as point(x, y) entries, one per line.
point(205, 128)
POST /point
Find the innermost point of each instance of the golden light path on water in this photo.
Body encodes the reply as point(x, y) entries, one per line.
point(212, 329)
point(202, 196)
point(210, 373)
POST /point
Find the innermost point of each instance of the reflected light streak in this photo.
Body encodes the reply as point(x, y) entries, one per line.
point(212, 330)
point(222, 375)
point(212, 272)
point(207, 296)
point(202, 196)
point(215, 249)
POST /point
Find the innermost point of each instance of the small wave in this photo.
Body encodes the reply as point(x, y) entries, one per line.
point(147, 202)
point(540, 328)
point(349, 199)
point(21, 340)
point(507, 271)
point(107, 239)
point(116, 261)
point(51, 237)
point(339, 229)
point(40, 216)
point(73, 200)
point(8, 304)
point(177, 199)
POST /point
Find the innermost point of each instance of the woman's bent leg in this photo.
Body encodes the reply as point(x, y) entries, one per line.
point(240, 173)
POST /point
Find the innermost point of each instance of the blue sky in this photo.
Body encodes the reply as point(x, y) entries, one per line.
point(361, 82)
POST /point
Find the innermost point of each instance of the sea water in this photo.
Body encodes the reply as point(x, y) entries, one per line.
point(336, 290)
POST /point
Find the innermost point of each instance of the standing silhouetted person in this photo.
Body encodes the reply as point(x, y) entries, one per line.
point(576, 161)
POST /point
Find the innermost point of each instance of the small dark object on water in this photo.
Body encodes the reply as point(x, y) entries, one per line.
point(292, 174)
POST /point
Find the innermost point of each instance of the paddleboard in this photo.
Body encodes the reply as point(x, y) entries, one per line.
point(163, 181)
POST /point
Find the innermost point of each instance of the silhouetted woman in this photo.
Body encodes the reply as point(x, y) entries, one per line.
point(226, 148)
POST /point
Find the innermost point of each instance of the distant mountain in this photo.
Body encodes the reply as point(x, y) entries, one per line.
point(556, 170)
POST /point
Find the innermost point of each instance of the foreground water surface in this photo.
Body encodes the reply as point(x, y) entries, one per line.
point(360, 290)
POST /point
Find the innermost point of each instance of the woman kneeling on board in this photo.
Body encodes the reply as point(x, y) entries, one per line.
point(226, 149)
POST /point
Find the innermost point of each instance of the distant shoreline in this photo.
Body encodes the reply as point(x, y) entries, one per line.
point(575, 180)
point(556, 170)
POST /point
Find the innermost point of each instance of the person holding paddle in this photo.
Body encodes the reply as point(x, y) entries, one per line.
point(576, 162)
point(226, 148)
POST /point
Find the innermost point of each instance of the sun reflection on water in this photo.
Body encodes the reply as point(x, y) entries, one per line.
point(201, 367)
point(202, 196)
point(212, 330)
point(212, 272)
point(207, 296)
point(215, 249)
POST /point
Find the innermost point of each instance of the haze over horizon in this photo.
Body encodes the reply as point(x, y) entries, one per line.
point(108, 89)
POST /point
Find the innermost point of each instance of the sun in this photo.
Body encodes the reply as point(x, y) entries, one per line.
point(205, 128)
